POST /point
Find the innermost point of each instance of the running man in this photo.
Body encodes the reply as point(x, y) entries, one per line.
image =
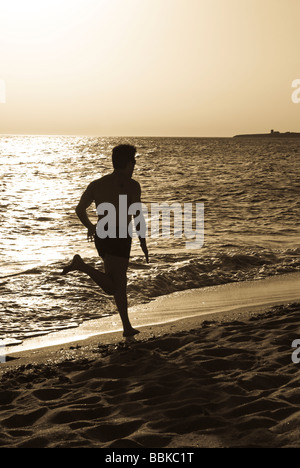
point(114, 250)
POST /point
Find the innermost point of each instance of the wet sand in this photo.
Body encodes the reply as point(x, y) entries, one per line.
point(219, 380)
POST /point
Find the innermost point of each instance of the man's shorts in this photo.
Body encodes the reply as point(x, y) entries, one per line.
point(117, 247)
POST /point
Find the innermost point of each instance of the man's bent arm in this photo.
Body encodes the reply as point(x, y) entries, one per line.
point(142, 238)
point(85, 201)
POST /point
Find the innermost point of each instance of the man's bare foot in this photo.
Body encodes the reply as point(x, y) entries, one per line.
point(130, 332)
point(74, 265)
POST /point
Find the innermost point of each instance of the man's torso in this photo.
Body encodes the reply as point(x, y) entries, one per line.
point(108, 190)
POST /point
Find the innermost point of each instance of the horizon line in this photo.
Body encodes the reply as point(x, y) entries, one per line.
point(109, 136)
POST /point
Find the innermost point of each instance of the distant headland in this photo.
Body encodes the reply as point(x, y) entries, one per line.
point(272, 134)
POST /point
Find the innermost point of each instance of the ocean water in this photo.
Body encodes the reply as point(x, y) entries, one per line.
point(250, 190)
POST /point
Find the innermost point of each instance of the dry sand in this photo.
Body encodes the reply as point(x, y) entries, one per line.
point(224, 382)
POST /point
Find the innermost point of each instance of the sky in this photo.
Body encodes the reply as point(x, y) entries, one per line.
point(195, 68)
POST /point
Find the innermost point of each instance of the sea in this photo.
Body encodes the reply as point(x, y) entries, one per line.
point(249, 189)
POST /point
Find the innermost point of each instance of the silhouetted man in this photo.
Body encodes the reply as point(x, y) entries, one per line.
point(120, 191)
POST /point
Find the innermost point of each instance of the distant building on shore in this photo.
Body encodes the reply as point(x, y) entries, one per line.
point(272, 134)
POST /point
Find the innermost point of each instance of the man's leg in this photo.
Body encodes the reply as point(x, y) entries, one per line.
point(113, 282)
point(116, 268)
point(101, 279)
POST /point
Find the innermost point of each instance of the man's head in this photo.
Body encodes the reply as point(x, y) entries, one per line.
point(123, 157)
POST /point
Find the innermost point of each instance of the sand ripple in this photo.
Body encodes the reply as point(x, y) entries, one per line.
point(226, 384)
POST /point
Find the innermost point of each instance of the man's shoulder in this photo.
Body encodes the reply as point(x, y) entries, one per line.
point(100, 181)
point(135, 184)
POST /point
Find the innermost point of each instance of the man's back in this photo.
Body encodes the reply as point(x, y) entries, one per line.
point(109, 188)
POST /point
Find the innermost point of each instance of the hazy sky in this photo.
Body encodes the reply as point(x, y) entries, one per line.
point(148, 67)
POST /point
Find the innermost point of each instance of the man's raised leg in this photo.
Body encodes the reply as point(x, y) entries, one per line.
point(101, 279)
point(113, 282)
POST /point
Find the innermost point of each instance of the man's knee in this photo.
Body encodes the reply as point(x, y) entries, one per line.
point(118, 274)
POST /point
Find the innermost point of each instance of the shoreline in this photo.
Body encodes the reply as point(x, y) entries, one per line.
point(224, 379)
point(49, 352)
point(196, 305)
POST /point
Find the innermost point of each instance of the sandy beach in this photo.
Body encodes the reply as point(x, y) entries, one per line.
point(224, 380)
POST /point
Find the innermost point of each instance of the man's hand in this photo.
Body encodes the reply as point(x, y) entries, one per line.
point(144, 248)
point(91, 232)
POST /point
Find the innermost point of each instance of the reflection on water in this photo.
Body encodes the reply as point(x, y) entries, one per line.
point(250, 190)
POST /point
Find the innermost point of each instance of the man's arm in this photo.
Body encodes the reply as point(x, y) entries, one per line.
point(137, 199)
point(85, 201)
